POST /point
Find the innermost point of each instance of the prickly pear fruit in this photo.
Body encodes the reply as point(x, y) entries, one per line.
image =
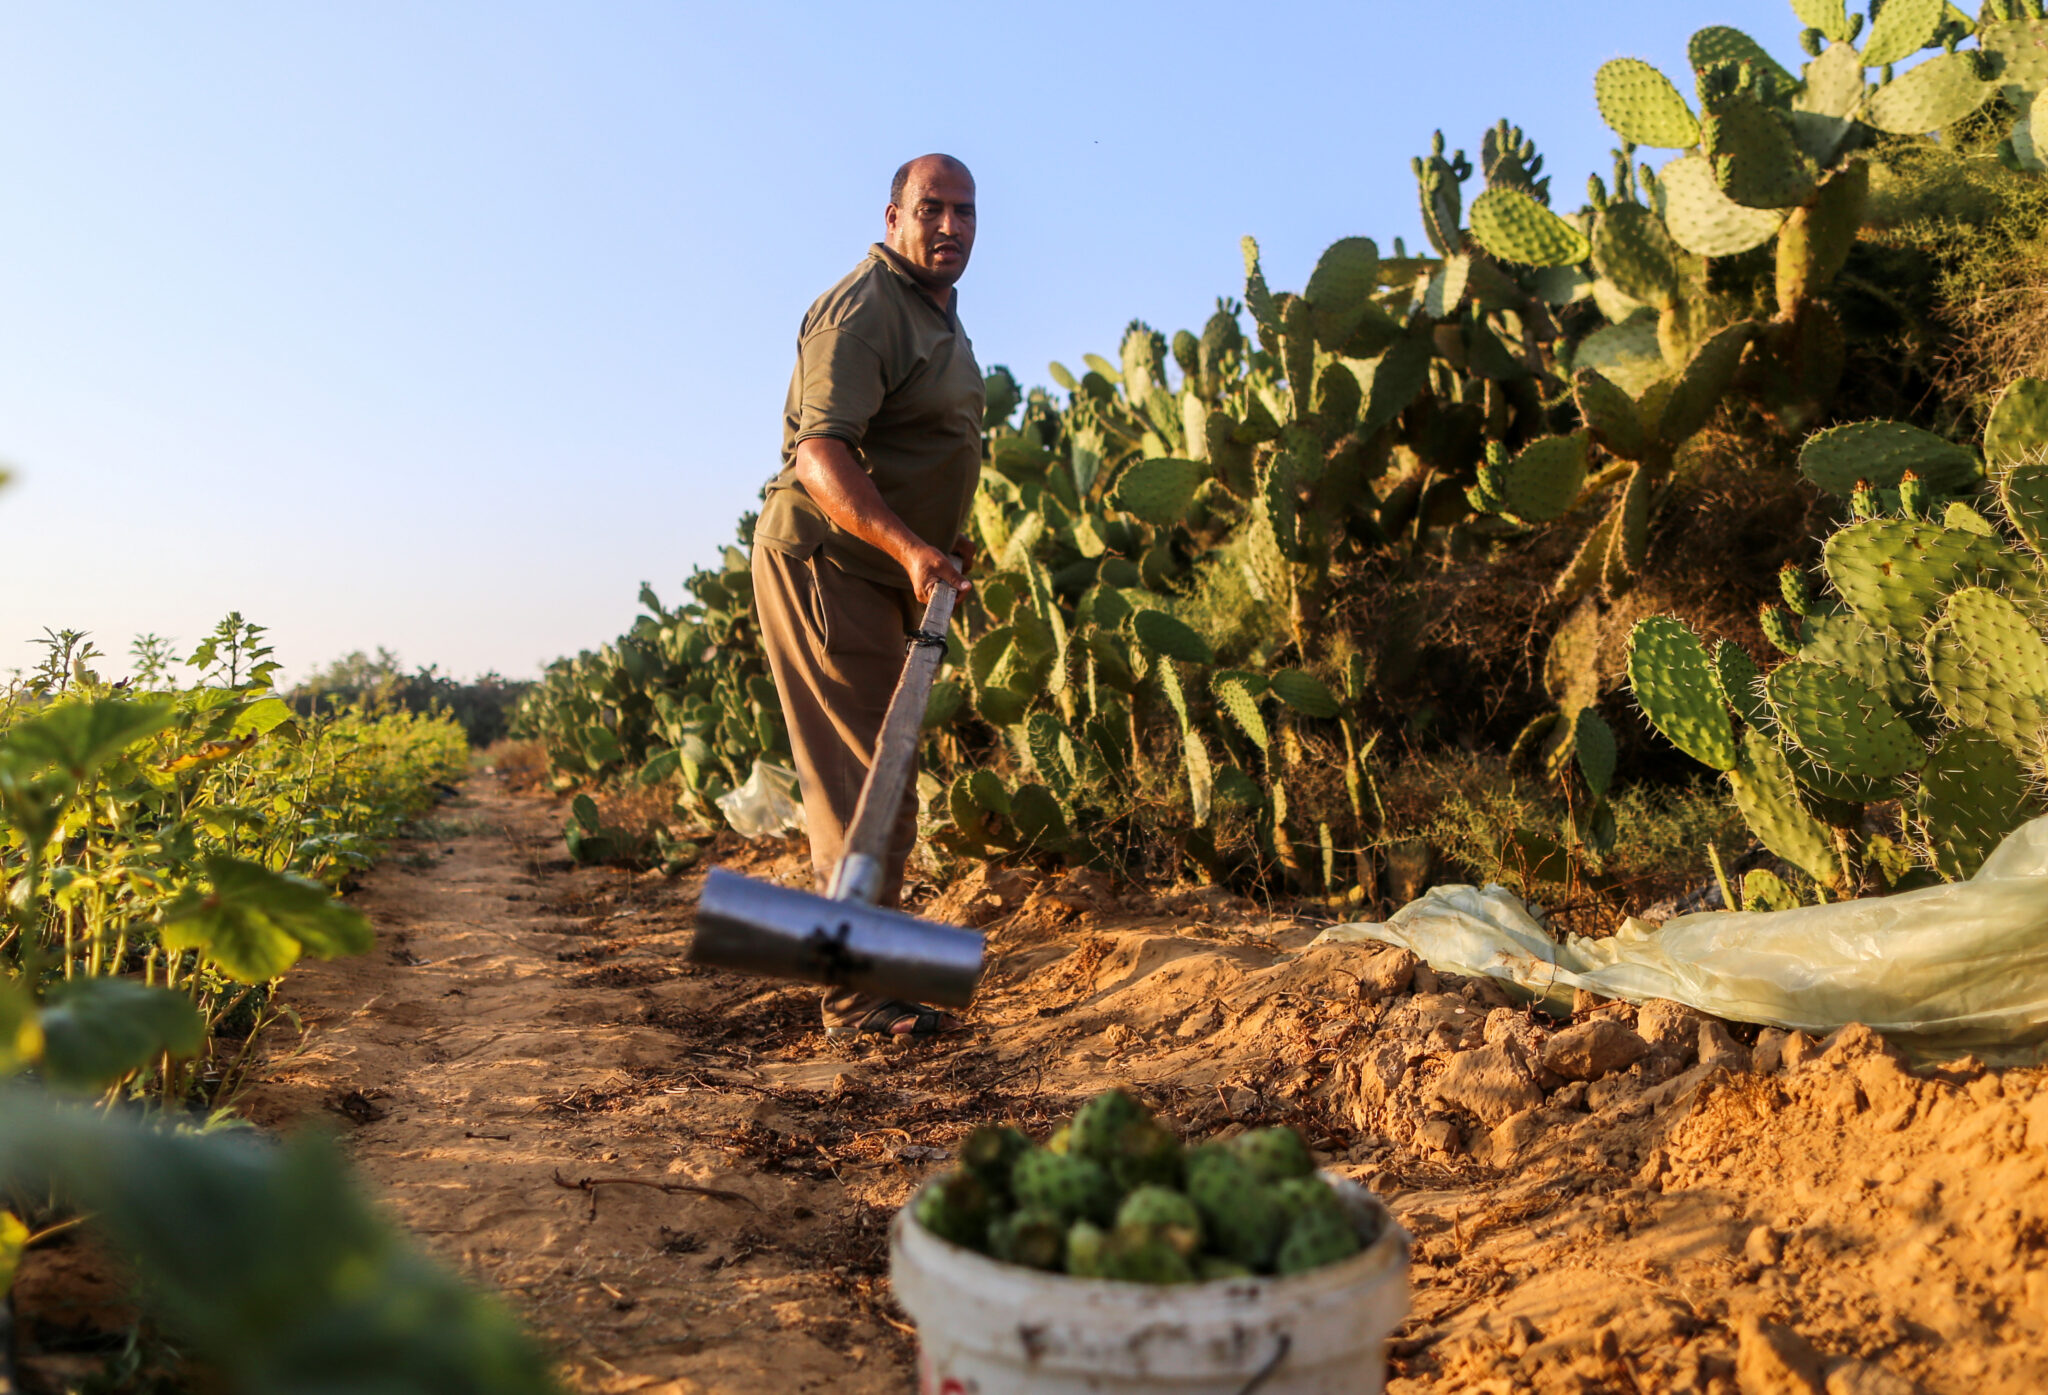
point(1315, 1239)
point(1086, 1243)
point(1164, 1214)
point(1274, 1154)
point(1147, 1153)
point(1864, 501)
point(1916, 498)
point(957, 1207)
point(1300, 1195)
point(1139, 1259)
point(1098, 1125)
point(1781, 628)
point(1031, 1237)
point(1797, 590)
point(1242, 1217)
point(991, 1151)
point(1211, 1268)
point(1075, 1188)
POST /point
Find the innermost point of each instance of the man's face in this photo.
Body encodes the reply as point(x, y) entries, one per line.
point(933, 227)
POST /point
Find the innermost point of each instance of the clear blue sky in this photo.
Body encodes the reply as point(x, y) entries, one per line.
point(442, 326)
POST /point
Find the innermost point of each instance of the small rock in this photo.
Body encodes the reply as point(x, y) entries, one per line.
point(1199, 1023)
point(1408, 867)
point(1388, 971)
point(1799, 1049)
point(1518, 1132)
point(1763, 1247)
point(1867, 1378)
point(1441, 1135)
point(1670, 1027)
point(1584, 1000)
point(1775, 1360)
point(1593, 1049)
point(1769, 1052)
point(1425, 980)
point(1487, 993)
point(1570, 1095)
point(1490, 1084)
point(1853, 1043)
point(1718, 1049)
point(1506, 1024)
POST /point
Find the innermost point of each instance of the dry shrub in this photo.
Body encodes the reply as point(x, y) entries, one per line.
point(524, 764)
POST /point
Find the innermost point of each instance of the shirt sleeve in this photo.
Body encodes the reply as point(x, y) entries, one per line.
point(842, 386)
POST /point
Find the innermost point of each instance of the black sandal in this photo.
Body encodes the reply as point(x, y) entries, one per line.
point(881, 1020)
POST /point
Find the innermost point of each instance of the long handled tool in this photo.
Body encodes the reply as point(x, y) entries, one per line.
point(844, 939)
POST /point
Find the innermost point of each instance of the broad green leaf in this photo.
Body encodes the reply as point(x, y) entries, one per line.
point(96, 1030)
point(1305, 693)
point(21, 1035)
point(255, 923)
point(262, 716)
point(80, 737)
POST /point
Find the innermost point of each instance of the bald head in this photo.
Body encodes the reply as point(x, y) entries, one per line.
point(930, 219)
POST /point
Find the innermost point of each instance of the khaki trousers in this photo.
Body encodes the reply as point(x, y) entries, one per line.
point(835, 646)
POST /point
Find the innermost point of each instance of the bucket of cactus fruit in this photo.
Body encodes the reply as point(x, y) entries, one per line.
point(1114, 1258)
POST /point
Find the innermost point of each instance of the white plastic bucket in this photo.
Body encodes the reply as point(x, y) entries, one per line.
point(985, 1328)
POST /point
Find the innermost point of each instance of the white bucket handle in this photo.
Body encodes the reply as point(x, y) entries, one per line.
point(1265, 1372)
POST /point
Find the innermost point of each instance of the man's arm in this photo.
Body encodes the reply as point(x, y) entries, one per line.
point(842, 490)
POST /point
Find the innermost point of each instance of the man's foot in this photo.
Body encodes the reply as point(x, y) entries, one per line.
point(896, 1018)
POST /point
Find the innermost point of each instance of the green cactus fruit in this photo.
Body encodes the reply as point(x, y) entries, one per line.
point(2018, 429)
point(1894, 573)
point(1916, 496)
point(1158, 490)
point(1864, 500)
point(1241, 1216)
point(1973, 792)
point(1238, 694)
point(1162, 1213)
point(1147, 1154)
point(1931, 97)
point(1074, 1187)
point(1768, 797)
point(1274, 1153)
point(1643, 106)
point(1516, 228)
point(1086, 1249)
point(1304, 693)
point(1672, 679)
point(1031, 1237)
point(2023, 494)
point(1098, 1125)
point(1213, 1269)
point(1718, 44)
point(1299, 1196)
point(1340, 289)
point(1881, 452)
point(1704, 220)
point(1901, 29)
point(1756, 161)
point(1797, 590)
point(1706, 379)
point(1610, 414)
point(1632, 250)
point(957, 1208)
point(1842, 722)
point(1593, 745)
point(1988, 668)
point(991, 1151)
point(1171, 638)
point(1814, 244)
point(1739, 683)
point(1316, 1239)
point(1133, 1258)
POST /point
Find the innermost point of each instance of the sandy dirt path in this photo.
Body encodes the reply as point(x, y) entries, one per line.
point(686, 1188)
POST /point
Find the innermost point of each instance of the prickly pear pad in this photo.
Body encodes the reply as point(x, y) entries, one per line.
point(1116, 1196)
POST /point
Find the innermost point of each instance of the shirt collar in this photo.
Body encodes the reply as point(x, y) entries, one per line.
point(887, 256)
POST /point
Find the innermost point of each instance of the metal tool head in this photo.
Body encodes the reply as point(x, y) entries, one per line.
point(760, 928)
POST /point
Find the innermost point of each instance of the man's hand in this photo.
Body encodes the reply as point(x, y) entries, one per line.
point(963, 553)
point(928, 567)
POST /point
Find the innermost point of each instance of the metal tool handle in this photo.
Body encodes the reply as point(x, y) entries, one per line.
point(859, 874)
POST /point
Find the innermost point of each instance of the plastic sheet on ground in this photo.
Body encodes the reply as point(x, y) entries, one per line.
point(766, 806)
point(1947, 969)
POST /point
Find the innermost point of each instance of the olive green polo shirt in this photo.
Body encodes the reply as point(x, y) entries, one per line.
point(884, 369)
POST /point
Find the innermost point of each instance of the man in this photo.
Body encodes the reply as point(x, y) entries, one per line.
point(881, 451)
